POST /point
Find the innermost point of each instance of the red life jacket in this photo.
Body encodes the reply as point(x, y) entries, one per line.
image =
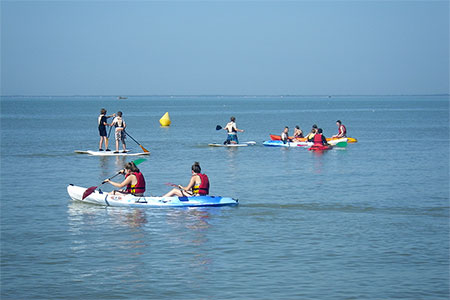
point(318, 139)
point(139, 188)
point(342, 131)
point(203, 188)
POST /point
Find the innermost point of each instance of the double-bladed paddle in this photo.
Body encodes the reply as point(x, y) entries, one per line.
point(90, 190)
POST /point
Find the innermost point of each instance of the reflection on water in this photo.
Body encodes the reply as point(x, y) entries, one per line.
point(136, 237)
point(182, 227)
point(195, 218)
point(232, 166)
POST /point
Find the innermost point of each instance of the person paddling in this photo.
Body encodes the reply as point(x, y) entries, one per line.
point(198, 185)
point(342, 131)
point(102, 123)
point(120, 135)
point(134, 181)
point(232, 132)
point(319, 138)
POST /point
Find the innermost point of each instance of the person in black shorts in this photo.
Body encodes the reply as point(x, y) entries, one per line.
point(102, 123)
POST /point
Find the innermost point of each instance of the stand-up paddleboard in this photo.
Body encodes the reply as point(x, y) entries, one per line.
point(233, 145)
point(100, 198)
point(111, 153)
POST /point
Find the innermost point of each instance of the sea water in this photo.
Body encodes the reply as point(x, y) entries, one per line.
point(367, 222)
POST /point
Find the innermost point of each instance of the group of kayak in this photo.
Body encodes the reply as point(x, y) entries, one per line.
point(196, 192)
point(315, 139)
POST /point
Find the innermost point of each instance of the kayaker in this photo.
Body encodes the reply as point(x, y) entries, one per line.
point(120, 135)
point(285, 135)
point(342, 131)
point(102, 123)
point(232, 132)
point(134, 181)
point(198, 185)
point(319, 138)
point(298, 133)
point(311, 134)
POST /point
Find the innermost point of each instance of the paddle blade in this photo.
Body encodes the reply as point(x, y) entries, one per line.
point(138, 161)
point(171, 184)
point(143, 149)
point(88, 191)
point(341, 144)
point(218, 127)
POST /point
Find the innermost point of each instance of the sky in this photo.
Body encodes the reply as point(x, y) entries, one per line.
point(224, 47)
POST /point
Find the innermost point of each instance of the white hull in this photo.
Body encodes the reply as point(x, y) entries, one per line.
point(100, 198)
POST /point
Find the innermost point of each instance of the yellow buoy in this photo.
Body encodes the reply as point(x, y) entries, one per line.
point(165, 120)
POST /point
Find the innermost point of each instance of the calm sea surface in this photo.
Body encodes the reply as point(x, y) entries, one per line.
point(367, 222)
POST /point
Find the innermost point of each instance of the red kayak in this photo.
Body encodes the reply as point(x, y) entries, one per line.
point(320, 148)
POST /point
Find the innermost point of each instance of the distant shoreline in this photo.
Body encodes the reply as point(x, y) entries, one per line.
point(228, 96)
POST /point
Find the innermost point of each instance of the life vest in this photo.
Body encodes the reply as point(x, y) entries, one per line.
point(342, 131)
point(310, 136)
point(139, 188)
point(203, 187)
point(318, 139)
point(116, 124)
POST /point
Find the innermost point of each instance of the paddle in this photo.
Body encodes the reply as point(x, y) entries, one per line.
point(143, 149)
point(172, 184)
point(109, 132)
point(218, 127)
point(91, 189)
point(181, 189)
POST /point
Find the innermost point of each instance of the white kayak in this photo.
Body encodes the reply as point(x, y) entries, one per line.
point(277, 143)
point(251, 143)
point(103, 198)
point(111, 153)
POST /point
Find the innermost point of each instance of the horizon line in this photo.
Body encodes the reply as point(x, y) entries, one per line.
point(237, 95)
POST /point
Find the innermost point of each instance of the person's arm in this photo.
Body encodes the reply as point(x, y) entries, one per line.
point(189, 186)
point(127, 181)
point(239, 130)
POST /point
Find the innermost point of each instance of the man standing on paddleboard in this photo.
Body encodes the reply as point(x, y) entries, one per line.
point(232, 132)
point(102, 123)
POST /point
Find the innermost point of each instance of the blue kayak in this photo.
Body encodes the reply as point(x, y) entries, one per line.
point(101, 198)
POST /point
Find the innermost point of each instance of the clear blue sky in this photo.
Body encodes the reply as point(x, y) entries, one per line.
point(224, 47)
